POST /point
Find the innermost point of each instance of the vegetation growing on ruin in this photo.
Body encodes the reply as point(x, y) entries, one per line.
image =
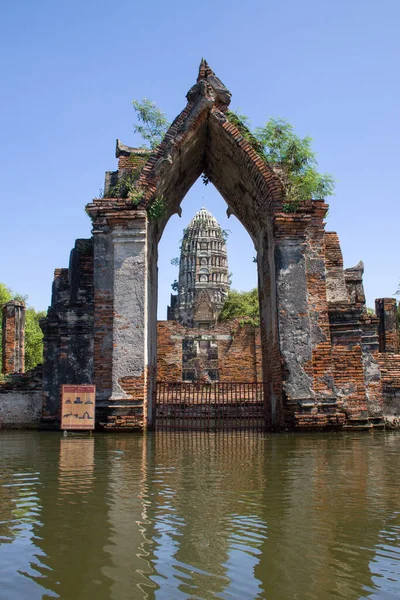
point(224, 233)
point(243, 305)
point(33, 333)
point(291, 157)
point(156, 209)
point(276, 142)
point(124, 187)
point(152, 126)
point(152, 122)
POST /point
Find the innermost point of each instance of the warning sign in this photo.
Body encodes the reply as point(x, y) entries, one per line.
point(77, 406)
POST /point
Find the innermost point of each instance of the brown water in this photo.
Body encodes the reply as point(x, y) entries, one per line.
point(199, 516)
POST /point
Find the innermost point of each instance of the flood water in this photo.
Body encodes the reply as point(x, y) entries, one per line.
point(199, 516)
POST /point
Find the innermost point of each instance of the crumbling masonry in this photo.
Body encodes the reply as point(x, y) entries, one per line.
point(322, 358)
point(13, 330)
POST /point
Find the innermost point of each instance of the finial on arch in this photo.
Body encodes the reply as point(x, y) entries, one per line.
point(204, 70)
point(208, 84)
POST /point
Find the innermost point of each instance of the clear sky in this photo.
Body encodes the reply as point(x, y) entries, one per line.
point(69, 71)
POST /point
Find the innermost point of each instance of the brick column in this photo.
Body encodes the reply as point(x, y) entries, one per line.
point(13, 347)
point(388, 330)
point(310, 398)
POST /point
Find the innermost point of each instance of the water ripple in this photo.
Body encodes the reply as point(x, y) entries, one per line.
point(308, 517)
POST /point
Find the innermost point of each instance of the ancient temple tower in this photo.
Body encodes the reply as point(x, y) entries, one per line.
point(203, 274)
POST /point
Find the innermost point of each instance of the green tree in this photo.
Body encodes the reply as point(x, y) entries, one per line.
point(33, 338)
point(241, 305)
point(153, 123)
point(296, 162)
point(291, 157)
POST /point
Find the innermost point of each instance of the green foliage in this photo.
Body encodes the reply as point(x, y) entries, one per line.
point(242, 123)
point(153, 123)
point(291, 157)
point(157, 209)
point(296, 162)
point(33, 338)
point(124, 186)
point(239, 117)
point(224, 233)
point(276, 142)
point(241, 304)
point(175, 261)
point(33, 333)
point(175, 285)
point(5, 294)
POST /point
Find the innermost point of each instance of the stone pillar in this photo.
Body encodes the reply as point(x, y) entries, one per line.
point(13, 347)
point(388, 329)
point(130, 323)
point(294, 321)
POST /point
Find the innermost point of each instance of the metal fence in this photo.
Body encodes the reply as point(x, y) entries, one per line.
point(210, 406)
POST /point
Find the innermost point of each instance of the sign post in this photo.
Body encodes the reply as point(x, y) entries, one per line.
point(77, 407)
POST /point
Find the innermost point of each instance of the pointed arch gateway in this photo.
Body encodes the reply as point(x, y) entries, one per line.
point(295, 336)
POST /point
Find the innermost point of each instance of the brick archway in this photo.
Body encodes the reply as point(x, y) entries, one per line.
point(202, 140)
point(308, 305)
point(291, 282)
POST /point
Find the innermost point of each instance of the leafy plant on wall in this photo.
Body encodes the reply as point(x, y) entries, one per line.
point(291, 157)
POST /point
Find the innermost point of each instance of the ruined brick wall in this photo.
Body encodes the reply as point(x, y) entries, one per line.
point(237, 359)
point(21, 400)
point(68, 329)
point(258, 355)
point(239, 355)
point(354, 337)
point(390, 372)
point(169, 350)
point(388, 330)
point(310, 399)
point(372, 373)
point(13, 342)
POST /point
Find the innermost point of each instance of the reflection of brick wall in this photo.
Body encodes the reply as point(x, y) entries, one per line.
point(235, 351)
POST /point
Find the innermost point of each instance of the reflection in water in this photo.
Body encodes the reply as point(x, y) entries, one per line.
point(199, 516)
point(76, 466)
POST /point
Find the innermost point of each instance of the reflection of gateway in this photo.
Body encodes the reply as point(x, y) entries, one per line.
point(78, 400)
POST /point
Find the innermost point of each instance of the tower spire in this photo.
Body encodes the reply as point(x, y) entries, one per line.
point(203, 274)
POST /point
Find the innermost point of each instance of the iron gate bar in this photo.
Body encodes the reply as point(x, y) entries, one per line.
point(210, 406)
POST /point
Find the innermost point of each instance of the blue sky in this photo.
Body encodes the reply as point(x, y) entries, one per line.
point(69, 73)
